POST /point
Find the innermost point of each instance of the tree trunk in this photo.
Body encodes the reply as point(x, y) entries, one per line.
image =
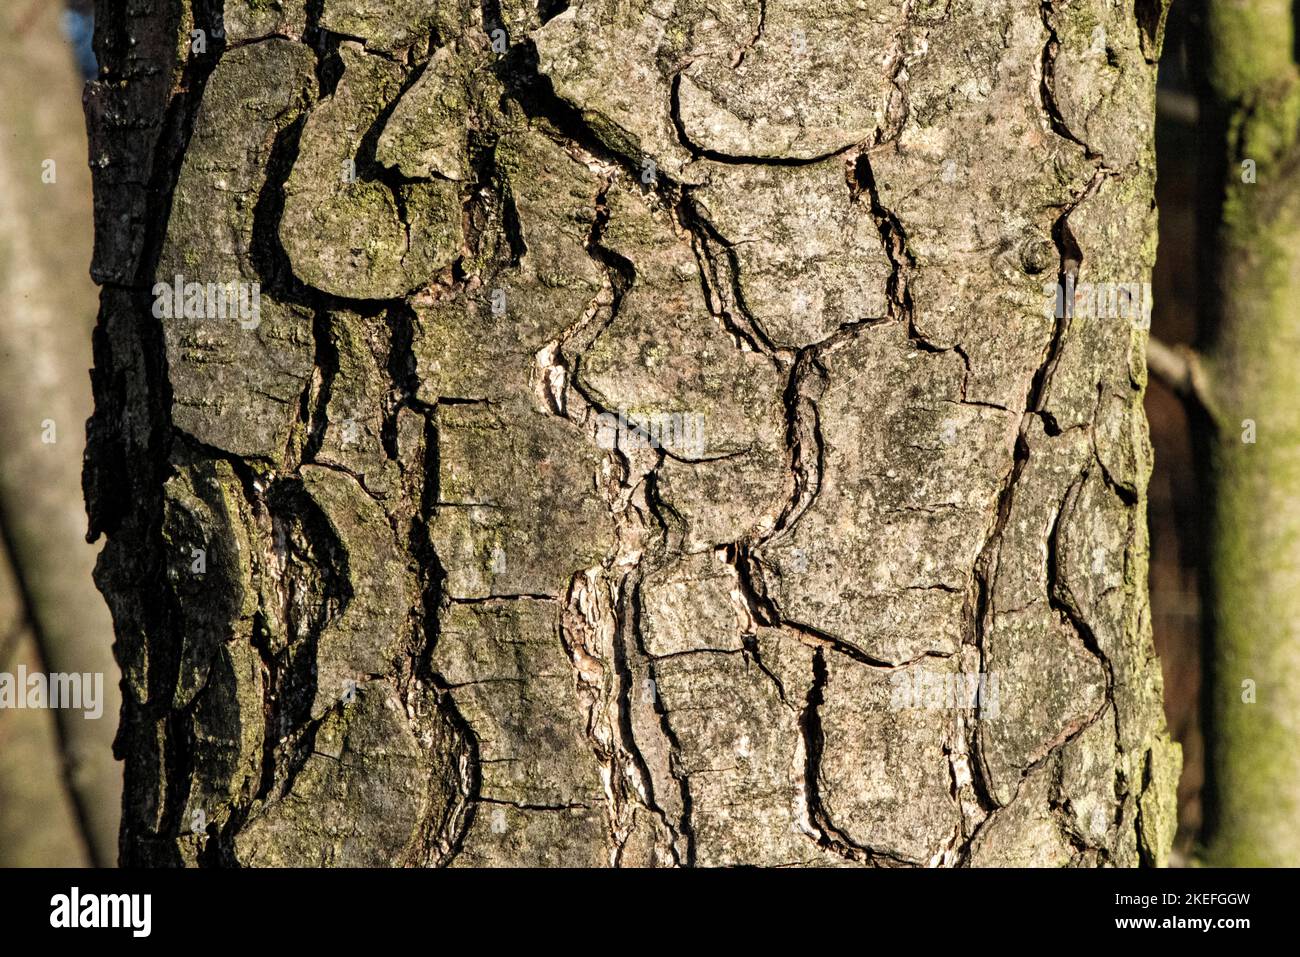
point(654, 433)
point(1253, 779)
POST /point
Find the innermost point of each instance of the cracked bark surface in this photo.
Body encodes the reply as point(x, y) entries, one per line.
point(445, 618)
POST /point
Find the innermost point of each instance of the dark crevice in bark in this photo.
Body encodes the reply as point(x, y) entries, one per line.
point(627, 654)
point(210, 17)
point(827, 835)
point(764, 610)
point(619, 269)
point(268, 256)
point(1125, 493)
point(177, 769)
point(671, 523)
point(1087, 852)
point(403, 376)
point(314, 576)
point(700, 152)
point(850, 650)
point(752, 585)
point(1047, 85)
point(445, 839)
point(744, 328)
point(326, 364)
point(534, 807)
point(261, 641)
point(1071, 258)
point(754, 654)
point(807, 384)
point(982, 609)
point(492, 599)
point(630, 643)
point(329, 65)
point(447, 836)
point(1061, 598)
point(683, 830)
point(513, 228)
point(1143, 850)
point(487, 193)
point(533, 92)
point(894, 240)
point(805, 445)
point(548, 10)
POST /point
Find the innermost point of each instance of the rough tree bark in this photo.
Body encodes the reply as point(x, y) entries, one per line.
point(801, 250)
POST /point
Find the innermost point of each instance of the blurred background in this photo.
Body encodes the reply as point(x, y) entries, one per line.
point(58, 785)
point(1177, 511)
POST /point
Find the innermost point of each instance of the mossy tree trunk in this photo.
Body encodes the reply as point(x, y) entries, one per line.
point(644, 398)
point(1250, 384)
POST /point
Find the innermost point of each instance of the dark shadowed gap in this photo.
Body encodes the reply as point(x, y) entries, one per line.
point(1178, 504)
